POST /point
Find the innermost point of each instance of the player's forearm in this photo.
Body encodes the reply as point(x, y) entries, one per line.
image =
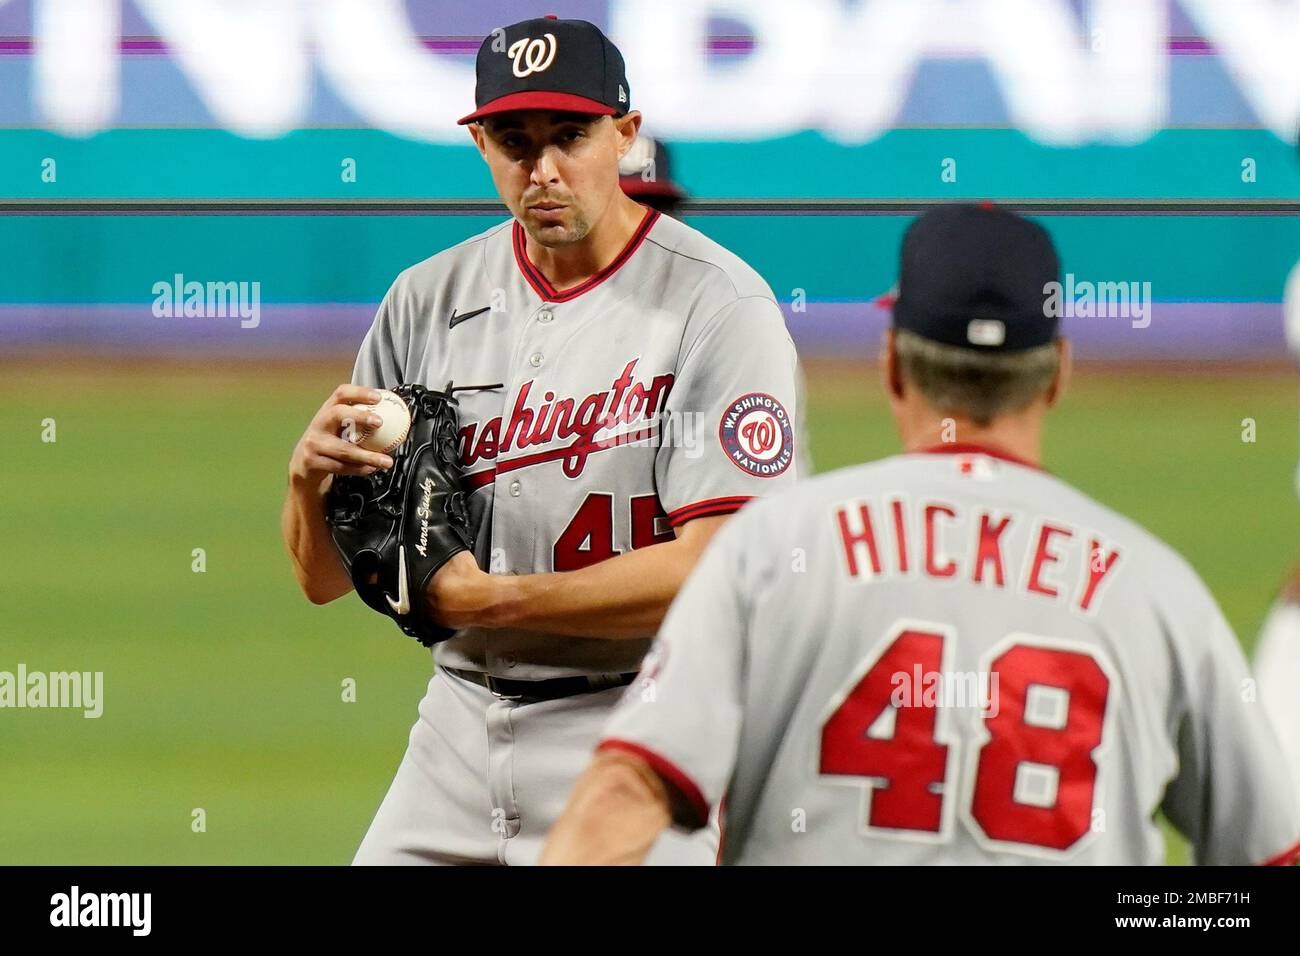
point(623, 597)
point(618, 808)
point(316, 563)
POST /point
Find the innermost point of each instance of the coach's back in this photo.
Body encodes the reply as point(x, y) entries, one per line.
point(955, 657)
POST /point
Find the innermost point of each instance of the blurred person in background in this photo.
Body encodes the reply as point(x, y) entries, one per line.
point(645, 174)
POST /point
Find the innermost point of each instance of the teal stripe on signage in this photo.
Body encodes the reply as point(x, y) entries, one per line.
point(113, 259)
point(186, 163)
point(303, 259)
point(996, 164)
point(190, 163)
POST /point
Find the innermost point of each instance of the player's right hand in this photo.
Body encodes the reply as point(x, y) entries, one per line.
point(323, 451)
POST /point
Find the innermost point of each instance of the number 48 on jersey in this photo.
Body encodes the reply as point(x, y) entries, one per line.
point(1032, 777)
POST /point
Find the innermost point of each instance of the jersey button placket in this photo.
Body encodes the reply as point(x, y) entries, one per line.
point(545, 316)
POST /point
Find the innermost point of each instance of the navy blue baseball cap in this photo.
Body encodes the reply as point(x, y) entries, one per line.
point(549, 64)
point(976, 276)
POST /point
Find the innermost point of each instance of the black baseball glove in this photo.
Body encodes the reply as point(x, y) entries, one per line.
point(396, 528)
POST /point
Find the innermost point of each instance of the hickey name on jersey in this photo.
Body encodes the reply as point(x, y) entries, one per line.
point(895, 536)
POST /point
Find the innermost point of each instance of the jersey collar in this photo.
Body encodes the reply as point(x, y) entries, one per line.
point(972, 448)
point(547, 292)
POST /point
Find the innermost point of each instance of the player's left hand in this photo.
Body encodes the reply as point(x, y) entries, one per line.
point(462, 594)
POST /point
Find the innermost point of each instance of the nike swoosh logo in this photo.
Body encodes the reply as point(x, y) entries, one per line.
point(403, 603)
point(464, 316)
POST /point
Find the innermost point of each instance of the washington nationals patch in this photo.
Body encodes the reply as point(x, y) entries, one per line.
point(757, 435)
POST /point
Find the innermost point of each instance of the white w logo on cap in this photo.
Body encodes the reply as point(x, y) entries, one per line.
point(532, 55)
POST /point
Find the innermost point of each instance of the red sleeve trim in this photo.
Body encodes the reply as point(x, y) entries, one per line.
point(1285, 858)
point(706, 508)
point(722, 829)
point(691, 796)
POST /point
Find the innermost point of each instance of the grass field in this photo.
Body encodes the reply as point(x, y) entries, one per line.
point(223, 689)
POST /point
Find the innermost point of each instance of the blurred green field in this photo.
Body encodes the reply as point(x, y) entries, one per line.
point(223, 690)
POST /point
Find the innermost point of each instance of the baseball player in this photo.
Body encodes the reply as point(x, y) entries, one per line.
point(627, 385)
point(950, 655)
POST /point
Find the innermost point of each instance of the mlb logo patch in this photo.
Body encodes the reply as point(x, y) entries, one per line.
point(975, 466)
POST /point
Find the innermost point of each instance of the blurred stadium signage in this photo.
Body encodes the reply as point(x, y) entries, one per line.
point(819, 64)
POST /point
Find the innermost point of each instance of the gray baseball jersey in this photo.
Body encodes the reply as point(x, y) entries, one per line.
point(661, 390)
point(954, 657)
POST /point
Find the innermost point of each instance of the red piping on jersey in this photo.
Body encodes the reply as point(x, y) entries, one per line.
point(707, 508)
point(1285, 858)
point(542, 286)
point(972, 448)
point(669, 772)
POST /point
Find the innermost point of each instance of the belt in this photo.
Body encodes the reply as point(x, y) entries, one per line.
point(535, 691)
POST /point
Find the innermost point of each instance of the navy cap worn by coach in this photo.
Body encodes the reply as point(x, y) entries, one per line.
point(549, 64)
point(976, 277)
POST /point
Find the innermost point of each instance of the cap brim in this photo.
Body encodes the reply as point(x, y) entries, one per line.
point(538, 100)
point(636, 186)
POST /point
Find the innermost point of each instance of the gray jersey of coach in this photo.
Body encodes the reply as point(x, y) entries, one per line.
point(678, 326)
point(760, 648)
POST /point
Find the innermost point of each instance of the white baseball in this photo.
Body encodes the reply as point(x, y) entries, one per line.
point(388, 435)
